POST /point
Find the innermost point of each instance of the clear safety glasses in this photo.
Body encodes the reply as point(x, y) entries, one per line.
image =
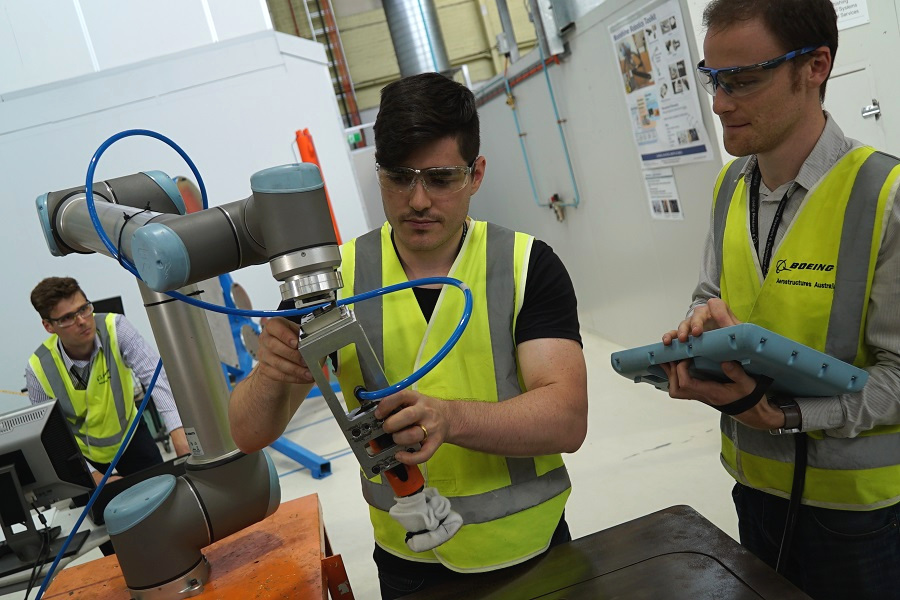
point(743, 81)
point(438, 181)
point(68, 319)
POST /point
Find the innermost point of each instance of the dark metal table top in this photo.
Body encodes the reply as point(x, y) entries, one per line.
point(673, 554)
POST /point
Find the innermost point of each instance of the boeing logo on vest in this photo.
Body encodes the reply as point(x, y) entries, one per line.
point(782, 266)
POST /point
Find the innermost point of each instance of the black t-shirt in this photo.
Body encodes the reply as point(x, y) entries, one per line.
point(549, 308)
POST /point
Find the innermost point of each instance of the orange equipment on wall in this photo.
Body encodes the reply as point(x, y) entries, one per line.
point(308, 155)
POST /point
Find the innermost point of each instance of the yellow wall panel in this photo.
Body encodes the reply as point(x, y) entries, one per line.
point(463, 29)
point(369, 50)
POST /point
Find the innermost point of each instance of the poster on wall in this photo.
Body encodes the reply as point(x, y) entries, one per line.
point(851, 13)
point(657, 76)
point(663, 194)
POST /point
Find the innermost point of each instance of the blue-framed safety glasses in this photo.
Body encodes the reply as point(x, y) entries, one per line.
point(743, 81)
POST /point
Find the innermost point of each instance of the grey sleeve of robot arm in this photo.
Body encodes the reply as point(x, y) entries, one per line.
point(286, 221)
point(174, 252)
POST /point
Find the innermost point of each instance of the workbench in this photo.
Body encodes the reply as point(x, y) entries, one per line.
point(286, 555)
point(673, 554)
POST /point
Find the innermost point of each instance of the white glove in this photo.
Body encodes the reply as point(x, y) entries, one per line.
point(428, 517)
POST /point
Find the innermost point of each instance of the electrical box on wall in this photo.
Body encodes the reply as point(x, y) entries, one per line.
point(557, 23)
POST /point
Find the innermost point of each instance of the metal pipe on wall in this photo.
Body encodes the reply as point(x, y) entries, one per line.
point(534, 11)
point(416, 35)
point(576, 200)
point(508, 32)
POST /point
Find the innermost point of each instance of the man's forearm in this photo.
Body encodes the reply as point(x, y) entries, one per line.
point(260, 409)
point(548, 420)
point(852, 414)
point(179, 442)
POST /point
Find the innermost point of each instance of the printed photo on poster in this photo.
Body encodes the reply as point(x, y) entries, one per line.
point(662, 194)
point(634, 62)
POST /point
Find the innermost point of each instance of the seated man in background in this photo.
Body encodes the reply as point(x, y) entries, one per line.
point(90, 368)
point(494, 416)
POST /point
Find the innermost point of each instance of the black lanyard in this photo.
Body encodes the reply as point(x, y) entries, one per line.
point(755, 180)
point(81, 375)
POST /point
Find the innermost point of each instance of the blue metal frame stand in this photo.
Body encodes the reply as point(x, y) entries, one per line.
point(318, 466)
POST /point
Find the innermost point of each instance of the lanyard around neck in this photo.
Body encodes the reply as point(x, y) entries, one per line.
point(755, 180)
point(81, 376)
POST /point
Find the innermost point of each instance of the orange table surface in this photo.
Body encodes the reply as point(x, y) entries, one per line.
point(279, 557)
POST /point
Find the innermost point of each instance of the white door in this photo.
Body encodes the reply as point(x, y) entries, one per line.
point(847, 96)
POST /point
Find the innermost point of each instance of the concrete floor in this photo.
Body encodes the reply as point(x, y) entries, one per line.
point(644, 452)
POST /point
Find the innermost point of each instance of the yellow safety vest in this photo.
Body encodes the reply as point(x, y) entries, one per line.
point(817, 293)
point(101, 414)
point(510, 506)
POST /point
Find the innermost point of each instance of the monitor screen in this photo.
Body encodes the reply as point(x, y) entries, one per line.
point(40, 463)
point(109, 305)
point(37, 441)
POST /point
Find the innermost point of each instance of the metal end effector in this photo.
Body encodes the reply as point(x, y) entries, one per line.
point(328, 331)
point(309, 275)
point(305, 258)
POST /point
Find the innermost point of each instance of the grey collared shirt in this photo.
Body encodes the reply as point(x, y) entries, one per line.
point(878, 403)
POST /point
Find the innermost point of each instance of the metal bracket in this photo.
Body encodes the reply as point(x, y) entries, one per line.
point(319, 337)
point(872, 110)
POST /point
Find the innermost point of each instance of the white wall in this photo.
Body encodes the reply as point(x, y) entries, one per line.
point(47, 41)
point(232, 106)
point(370, 192)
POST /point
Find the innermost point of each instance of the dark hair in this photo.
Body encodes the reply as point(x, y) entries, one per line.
point(48, 293)
point(421, 109)
point(794, 23)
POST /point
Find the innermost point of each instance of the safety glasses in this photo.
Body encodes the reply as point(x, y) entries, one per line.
point(438, 181)
point(743, 81)
point(68, 319)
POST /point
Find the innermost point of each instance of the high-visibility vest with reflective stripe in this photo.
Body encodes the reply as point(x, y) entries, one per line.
point(510, 506)
point(817, 293)
point(101, 414)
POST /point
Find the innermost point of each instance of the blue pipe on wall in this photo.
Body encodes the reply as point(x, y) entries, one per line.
point(491, 91)
point(515, 114)
point(576, 199)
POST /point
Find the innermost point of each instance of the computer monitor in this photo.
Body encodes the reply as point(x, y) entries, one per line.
point(109, 305)
point(40, 463)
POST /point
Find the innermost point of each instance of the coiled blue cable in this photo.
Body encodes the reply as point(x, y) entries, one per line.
point(112, 465)
point(89, 185)
point(440, 354)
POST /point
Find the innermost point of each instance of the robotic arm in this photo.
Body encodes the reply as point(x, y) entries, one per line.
point(285, 222)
